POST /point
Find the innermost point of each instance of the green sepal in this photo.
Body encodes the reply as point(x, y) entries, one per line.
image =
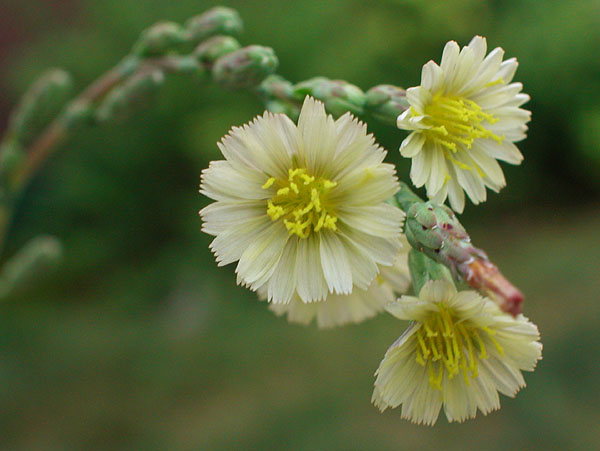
point(423, 269)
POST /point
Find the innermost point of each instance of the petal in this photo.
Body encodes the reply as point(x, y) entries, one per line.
point(421, 167)
point(505, 151)
point(335, 264)
point(507, 70)
point(219, 216)
point(318, 132)
point(221, 181)
point(229, 245)
point(438, 172)
point(432, 77)
point(282, 284)
point(479, 47)
point(382, 220)
point(368, 186)
point(412, 145)
point(435, 291)
point(456, 194)
point(489, 166)
point(449, 58)
point(260, 259)
point(311, 285)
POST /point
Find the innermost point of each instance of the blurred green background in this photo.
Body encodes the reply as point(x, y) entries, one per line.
point(138, 341)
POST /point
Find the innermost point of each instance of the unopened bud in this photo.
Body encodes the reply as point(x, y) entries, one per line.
point(29, 263)
point(435, 231)
point(338, 96)
point(159, 39)
point(246, 67)
point(214, 48)
point(386, 102)
point(216, 21)
point(132, 94)
point(42, 101)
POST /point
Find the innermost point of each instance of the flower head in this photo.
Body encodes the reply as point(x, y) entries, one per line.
point(460, 351)
point(340, 309)
point(302, 207)
point(464, 116)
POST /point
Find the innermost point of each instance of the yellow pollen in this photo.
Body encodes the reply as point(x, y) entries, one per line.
point(301, 202)
point(455, 123)
point(445, 345)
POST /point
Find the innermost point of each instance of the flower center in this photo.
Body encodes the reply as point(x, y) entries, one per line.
point(444, 344)
point(456, 122)
point(300, 201)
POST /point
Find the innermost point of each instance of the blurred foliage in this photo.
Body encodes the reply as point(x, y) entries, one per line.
point(138, 340)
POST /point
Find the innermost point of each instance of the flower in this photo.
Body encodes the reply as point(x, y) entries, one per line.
point(302, 208)
point(460, 351)
point(340, 309)
point(464, 116)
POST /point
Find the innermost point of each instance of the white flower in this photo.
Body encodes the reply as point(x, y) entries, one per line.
point(302, 208)
point(340, 309)
point(464, 116)
point(460, 351)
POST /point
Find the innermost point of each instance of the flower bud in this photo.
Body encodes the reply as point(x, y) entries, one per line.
point(125, 98)
point(246, 67)
point(436, 232)
point(339, 96)
point(42, 101)
point(216, 21)
point(214, 48)
point(159, 39)
point(386, 102)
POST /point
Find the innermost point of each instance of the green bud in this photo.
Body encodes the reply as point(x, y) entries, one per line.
point(338, 96)
point(124, 99)
point(275, 86)
point(423, 269)
point(159, 39)
point(386, 102)
point(215, 21)
point(214, 48)
point(42, 101)
point(245, 68)
point(29, 263)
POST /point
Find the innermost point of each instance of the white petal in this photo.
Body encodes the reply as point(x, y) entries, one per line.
point(449, 57)
point(420, 167)
point(456, 194)
point(438, 171)
point(506, 151)
point(311, 284)
point(479, 47)
point(260, 259)
point(335, 264)
point(362, 264)
point(219, 216)
point(221, 181)
point(412, 145)
point(432, 77)
point(230, 244)
point(507, 70)
point(436, 291)
point(282, 284)
point(382, 220)
point(368, 186)
point(489, 166)
point(318, 132)
point(418, 97)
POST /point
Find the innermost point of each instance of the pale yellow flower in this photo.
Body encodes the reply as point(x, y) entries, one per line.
point(302, 208)
point(465, 114)
point(340, 309)
point(460, 351)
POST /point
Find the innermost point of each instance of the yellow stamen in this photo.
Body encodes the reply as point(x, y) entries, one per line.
point(455, 123)
point(455, 347)
point(301, 201)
